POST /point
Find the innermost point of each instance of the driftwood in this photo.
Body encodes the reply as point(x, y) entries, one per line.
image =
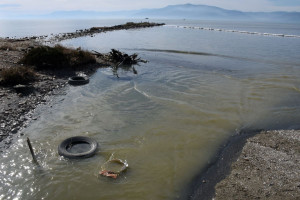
point(31, 150)
point(118, 60)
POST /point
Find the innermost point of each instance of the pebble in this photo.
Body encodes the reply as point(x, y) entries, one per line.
point(14, 131)
point(14, 111)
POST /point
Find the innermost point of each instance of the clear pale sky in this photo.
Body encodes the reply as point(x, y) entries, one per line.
point(47, 6)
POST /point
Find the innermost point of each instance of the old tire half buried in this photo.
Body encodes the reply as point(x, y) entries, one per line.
point(78, 80)
point(66, 145)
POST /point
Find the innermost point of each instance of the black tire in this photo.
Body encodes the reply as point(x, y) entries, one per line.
point(78, 80)
point(64, 145)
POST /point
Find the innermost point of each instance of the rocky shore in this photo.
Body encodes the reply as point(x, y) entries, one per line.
point(95, 30)
point(267, 168)
point(18, 102)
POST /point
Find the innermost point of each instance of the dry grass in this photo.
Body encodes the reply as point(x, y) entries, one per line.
point(17, 75)
point(57, 57)
point(7, 47)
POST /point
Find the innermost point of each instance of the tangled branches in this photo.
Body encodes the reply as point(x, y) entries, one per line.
point(118, 60)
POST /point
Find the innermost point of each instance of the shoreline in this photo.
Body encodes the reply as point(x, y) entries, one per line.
point(267, 168)
point(16, 113)
point(16, 106)
point(252, 165)
point(202, 185)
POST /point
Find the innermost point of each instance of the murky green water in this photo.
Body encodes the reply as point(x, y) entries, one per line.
point(166, 122)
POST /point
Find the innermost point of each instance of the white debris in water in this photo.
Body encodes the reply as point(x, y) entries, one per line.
point(236, 31)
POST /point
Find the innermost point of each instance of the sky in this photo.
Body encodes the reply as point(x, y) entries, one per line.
point(37, 7)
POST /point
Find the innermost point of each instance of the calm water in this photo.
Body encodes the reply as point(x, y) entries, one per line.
point(198, 88)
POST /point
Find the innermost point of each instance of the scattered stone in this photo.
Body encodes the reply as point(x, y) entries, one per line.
point(94, 30)
point(273, 171)
point(14, 131)
point(18, 101)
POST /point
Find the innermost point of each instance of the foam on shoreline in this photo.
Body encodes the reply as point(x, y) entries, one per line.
point(236, 31)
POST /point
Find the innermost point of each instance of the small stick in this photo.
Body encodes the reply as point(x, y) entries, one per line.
point(31, 150)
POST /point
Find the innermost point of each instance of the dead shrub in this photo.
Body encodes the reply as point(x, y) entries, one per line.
point(17, 75)
point(57, 57)
point(6, 47)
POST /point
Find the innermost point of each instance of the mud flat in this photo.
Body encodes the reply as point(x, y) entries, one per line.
point(258, 165)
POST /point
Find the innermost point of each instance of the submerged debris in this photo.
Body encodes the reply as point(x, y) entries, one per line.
point(113, 168)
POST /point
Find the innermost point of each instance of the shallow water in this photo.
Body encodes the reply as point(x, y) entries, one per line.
point(198, 88)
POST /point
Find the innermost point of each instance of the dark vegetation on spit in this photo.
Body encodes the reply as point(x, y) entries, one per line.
point(57, 58)
point(103, 29)
point(118, 60)
point(31, 72)
point(60, 58)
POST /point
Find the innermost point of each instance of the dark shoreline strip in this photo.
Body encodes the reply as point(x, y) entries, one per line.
point(203, 185)
point(95, 30)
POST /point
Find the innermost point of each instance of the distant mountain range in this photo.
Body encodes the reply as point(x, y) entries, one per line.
point(185, 11)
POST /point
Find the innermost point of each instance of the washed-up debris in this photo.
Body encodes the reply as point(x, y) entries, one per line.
point(78, 80)
point(31, 150)
point(113, 168)
point(117, 59)
point(108, 174)
point(78, 147)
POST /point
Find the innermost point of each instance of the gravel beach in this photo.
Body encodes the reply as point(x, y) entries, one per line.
point(267, 168)
point(18, 103)
point(253, 165)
